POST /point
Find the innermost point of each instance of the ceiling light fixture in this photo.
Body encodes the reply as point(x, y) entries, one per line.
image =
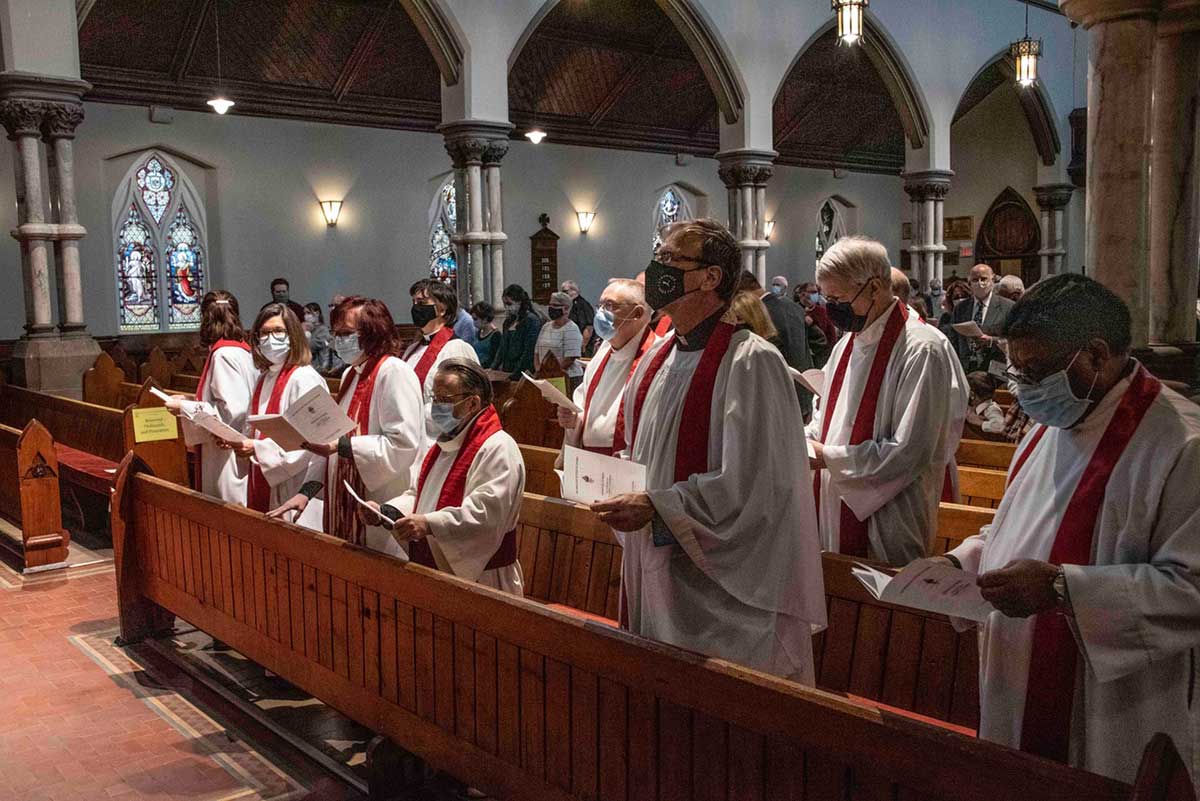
point(849, 19)
point(1025, 53)
point(535, 135)
point(586, 218)
point(331, 209)
point(220, 103)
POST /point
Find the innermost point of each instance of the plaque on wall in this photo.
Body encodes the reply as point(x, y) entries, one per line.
point(958, 228)
point(543, 255)
point(906, 231)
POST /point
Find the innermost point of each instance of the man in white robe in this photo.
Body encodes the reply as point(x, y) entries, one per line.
point(720, 553)
point(1111, 472)
point(471, 533)
point(891, 415)
point(623, 323)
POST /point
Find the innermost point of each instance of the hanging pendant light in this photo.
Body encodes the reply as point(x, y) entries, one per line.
point(849, 19)
point(1025, 53)
point(535, 135)
point(220, 103)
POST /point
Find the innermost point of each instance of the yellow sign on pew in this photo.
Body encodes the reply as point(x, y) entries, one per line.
point(151, 425)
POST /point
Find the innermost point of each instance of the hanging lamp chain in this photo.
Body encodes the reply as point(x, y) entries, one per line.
point(217, 26)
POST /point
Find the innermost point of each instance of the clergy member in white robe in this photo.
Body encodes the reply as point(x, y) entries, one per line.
point(224, 388)
point(382, 395)
point(435, 308)
point(281, 352)
point(891, 415)
point(622, 322)
point(461, 518)
point(1093, 559)
point(721, 554)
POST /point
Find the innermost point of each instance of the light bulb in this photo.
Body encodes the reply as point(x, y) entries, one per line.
point(536, 136)
point(221, 104)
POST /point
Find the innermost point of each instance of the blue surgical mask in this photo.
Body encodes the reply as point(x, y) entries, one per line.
point(604, 324)
point(776, 289)
point(1052, 402)
point(274, 347)
point(442, 413)
point(347, 348)
point(814, 298)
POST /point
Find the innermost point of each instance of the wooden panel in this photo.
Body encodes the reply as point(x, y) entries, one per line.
point(533, 713)
point(370, 612)
point(508, 717)
point(296, 602)
point(674, 752)
point(339, 609)
point(423, 667)
point(746, 758)
point(870, 650)
point(485, 692)
point(558, 724)
point(387, 649)
point(643, 744)
point(935, 686)
point(311, 624)
point(903, 661)
point(983, 453)
point(839, 645)
point(355, 644)
point(543, 566)
point(597, 599)
point(563, 551)
point(443, 672)
point(406, 648)
point(584, 728)
point(464, 683)
point(784, 769)
point(710, 779)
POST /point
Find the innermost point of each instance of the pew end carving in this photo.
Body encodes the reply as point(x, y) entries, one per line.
point(30, 496)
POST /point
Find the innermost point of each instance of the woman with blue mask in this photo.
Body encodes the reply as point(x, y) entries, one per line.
point(283, 358)
point(461, 517)
point(622, 321)
point(381, 394)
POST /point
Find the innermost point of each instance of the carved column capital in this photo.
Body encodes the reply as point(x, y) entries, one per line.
point(465, 151)
point(746, 167)
point(61, 120)
point(927, 185)
point(22, 117)
point(495, 151)
point(1052, 197)
point(475, 142)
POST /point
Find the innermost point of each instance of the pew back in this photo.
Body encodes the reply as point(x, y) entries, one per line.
point(984, 453)
point(83, 426)
point(104, 384)
point(540, 478)
point(981, 486)
point(958, 521)
point(530, 418)
point(521, 701)
point(30, 496)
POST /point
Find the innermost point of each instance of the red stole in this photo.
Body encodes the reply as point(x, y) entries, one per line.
point(1050, 694)
point(663, 326)
point(340, 518)
point(852, 532)
point(258, 495)
point(436, 343)
point(454, 489)
point(691, 447)
point(198, 476)
point(619, 431)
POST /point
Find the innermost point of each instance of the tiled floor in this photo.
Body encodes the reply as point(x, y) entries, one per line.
point(80, 720)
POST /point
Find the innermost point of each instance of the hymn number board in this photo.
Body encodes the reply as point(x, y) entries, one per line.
point(543, 255)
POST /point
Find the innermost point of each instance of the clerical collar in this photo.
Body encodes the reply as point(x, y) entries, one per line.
point(697, 338)
point(452, 442)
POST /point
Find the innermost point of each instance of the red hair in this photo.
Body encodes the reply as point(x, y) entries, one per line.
point(376, 328)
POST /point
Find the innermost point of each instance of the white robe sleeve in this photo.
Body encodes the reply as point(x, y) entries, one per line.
point(751, 524)
point(1127, 616)
point(813, 429)
point(230, 388)
point(469, 535)
point(871, 473)
point(398, 412)
point(278, 465)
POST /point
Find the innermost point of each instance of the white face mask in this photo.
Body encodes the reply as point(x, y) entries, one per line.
point(310, 318)
point(274, 347)
point(347, 347)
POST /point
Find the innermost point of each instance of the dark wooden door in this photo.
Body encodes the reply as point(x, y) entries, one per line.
point(1009, 234)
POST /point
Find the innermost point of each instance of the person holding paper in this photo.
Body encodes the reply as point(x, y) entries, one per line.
point(721, 552)
point(226, 383)
point(382, 395)
point(988, 310)
point(623, 324)
point(461, 517)
point(435, 307)
point(282, 354)
point(1093, 559)
point(890, 418)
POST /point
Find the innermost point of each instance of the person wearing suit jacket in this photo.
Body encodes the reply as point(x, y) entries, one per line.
point(987, 308)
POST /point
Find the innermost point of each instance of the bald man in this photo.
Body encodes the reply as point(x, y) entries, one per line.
point(989, 311)
point(901, 287)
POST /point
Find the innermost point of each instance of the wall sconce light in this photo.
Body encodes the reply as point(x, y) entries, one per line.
point(585, 220)
point(770, 229)
point(331, 209)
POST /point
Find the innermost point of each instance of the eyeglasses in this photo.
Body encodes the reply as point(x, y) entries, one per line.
point(832, 299)
point(667, 257)
point(1029, 379)
point(451, 398)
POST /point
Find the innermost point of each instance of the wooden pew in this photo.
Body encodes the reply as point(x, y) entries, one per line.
point(981, 486)
point(531, 419)
point(519, 700)
point(956, 522)
point(540, 477)
point(104, 384)
point(30, 497)
point(984, 453)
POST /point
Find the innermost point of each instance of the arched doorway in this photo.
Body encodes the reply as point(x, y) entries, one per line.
point(1009, 238)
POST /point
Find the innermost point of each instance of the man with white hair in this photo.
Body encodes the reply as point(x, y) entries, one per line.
point(779, 286)
point(901, 286)
point(881, 436)
point(1011, 287)
point(989, 311)
point(623, 323)
point(720, 552)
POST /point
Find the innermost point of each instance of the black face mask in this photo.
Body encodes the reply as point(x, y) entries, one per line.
point(555, 313)
point(841, 313)
point(421, 315)
point(664, 284)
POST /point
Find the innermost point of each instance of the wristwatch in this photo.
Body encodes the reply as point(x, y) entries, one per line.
point(1059, 585)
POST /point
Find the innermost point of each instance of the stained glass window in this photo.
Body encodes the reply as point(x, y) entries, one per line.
point(185, 271)
point(831, 226)
point(156, 182)
point(161, 251)
point(669, 206)
point(137, 278)
point(443, 264)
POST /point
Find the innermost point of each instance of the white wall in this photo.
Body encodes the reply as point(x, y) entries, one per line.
point(262, 179)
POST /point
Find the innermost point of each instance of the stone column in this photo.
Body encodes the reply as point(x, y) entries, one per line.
point(916, 248)
point(467, 142)
point(1174, 229)
point(58, 130)
point(1052, 199)
point(928, 189)
point(23, 121)
point(1121, 39)
point(745, 174)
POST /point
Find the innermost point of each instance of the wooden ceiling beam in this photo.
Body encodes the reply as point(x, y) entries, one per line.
point(795, 122)
point(186, 49)
point(358, 55)
point(702, 119)
point(618, 90)
point(562, 36)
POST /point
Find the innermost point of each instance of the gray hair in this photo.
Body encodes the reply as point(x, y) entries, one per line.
point(901, 286)
point(781, 279)
point(855, 260)
point(473, 378)
point(561, 297)
point(568, 285)
point(1012, 283)
point(632, 291)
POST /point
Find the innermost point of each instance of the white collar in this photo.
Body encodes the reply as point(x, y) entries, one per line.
point(1102, 414)
point(874, 332)
point(454, 443)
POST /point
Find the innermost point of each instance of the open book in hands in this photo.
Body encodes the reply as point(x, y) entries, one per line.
point(553, 393)
point(930, 585)
point(313, 417)
point(200, 426)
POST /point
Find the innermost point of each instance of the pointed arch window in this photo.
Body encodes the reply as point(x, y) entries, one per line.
point(673, 205)
point(161, 248)
point(831, 226)
point(443, 263)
